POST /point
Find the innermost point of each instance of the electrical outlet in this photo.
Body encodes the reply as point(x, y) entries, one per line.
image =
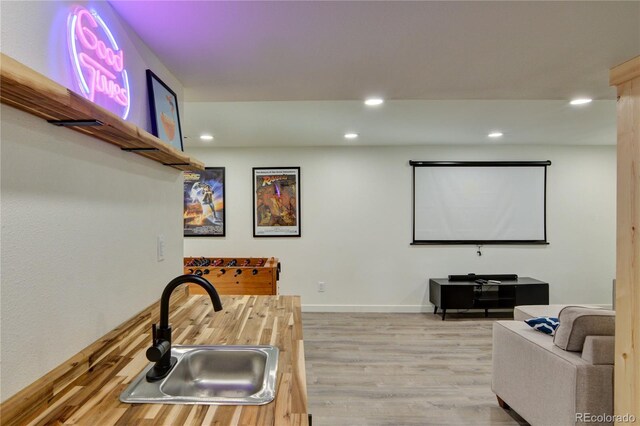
point(322, 286)
point(160, 247)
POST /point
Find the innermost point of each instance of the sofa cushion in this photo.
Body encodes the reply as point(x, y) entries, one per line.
point(546, 325)
point(576, 323)
point(599, 350)
point(540, 340)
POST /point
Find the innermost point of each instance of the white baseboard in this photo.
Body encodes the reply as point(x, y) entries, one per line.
point(367, 308)
point(388, 309)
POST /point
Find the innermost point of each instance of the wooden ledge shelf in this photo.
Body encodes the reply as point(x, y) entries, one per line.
point(25, 89)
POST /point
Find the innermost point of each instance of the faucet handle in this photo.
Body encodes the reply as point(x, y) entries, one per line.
point(154, 333)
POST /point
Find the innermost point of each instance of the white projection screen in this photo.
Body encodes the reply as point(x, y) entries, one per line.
point(500, 202)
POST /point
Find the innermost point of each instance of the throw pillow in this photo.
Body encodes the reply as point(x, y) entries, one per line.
point(546, 325)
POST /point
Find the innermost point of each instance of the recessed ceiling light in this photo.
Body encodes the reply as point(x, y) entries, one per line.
point(495, 134)
point(350, 135)
point(206, 137)
point(374, 101)
point(580, 101)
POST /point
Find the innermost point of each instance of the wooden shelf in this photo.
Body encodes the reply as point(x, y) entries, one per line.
point(25, 89)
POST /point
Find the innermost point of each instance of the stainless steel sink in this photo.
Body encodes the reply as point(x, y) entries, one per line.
point(216, 375)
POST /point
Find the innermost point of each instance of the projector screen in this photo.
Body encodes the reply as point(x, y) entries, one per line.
point(479, 202)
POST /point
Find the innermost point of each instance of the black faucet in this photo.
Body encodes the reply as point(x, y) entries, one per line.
point(160, 351)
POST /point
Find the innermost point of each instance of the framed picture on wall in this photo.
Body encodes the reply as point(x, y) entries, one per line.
point(276, 201)
point(204, 208)
point(165, 118)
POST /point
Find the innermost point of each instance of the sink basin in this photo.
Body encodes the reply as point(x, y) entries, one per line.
point(215, 375)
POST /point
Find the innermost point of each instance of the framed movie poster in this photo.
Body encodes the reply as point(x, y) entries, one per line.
point(165, 118)
point(204, 210)
point(276, 201)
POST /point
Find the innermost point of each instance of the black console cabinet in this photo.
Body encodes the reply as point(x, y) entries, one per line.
point(452, 294)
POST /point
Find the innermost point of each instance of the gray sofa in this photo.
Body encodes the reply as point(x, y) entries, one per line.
point(556, 380)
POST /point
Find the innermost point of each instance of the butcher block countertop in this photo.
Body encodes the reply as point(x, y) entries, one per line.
point(91, 398)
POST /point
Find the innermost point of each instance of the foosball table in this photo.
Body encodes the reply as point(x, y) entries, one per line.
point(235, 275)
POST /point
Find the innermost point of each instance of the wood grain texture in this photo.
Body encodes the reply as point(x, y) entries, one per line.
point(401, 369)
point(58, 383)
point(32, 92)
point(624, 72)
point(627, 355)
point(85, 390)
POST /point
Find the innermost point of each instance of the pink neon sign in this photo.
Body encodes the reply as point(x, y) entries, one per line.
point(98, 62)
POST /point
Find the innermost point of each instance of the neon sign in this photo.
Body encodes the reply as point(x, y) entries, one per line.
point(98, 62)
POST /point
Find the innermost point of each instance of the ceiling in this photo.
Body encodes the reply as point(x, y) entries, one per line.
point(323, 123)
point(294, 73)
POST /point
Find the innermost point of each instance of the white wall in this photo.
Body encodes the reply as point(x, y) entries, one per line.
point(356, 225)
point(80, 217)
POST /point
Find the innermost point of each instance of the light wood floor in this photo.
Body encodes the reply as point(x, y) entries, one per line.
point(400, 369)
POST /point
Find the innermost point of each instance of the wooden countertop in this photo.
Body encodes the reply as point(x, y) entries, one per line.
point(92, 397)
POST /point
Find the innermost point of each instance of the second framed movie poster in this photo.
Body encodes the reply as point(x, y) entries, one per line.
point(276, 201)
point(204, 210)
